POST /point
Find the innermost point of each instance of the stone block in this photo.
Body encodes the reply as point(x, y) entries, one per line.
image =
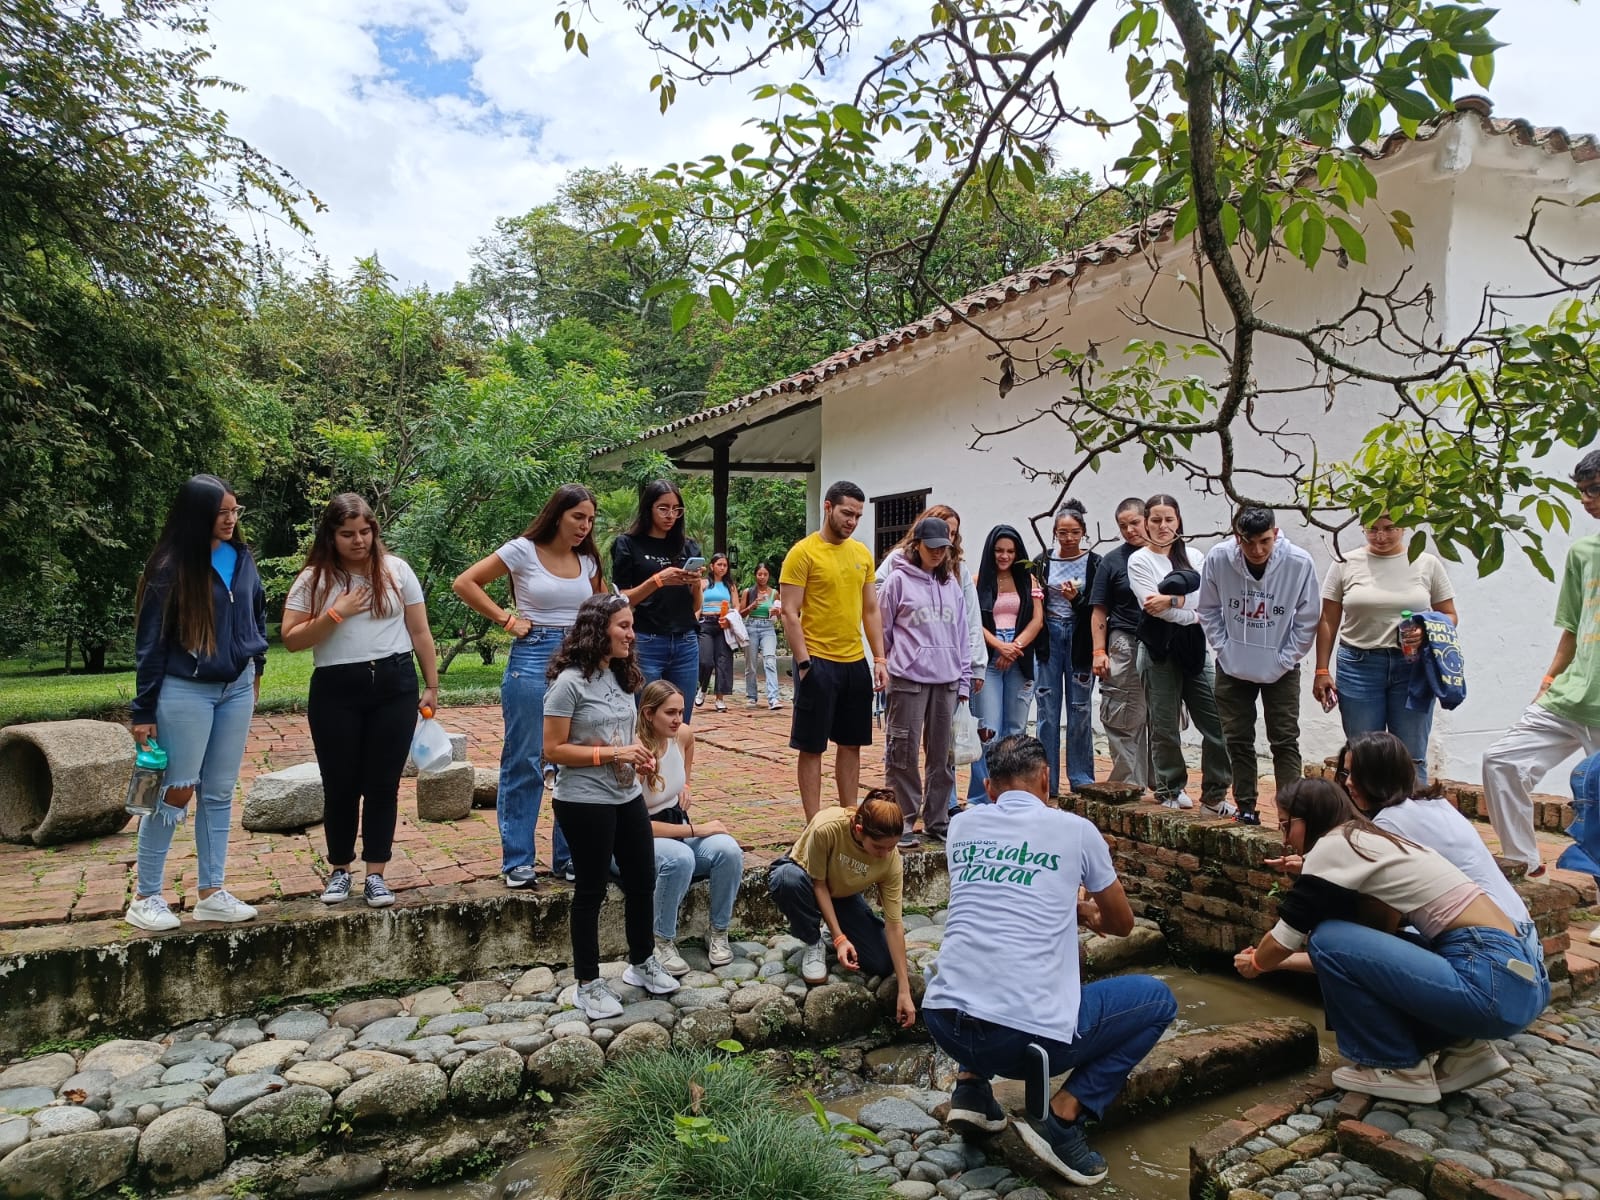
point(63, 781)
point(445, 795)
point(485, 787)
point(458, 754)
point(284, 800)
point(1216, 1060)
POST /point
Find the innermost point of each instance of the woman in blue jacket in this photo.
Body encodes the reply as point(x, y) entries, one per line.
point(202, 642)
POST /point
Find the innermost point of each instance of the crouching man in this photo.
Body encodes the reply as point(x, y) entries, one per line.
point(1006, 999)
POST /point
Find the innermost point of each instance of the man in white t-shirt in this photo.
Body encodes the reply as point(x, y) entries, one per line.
point(1006, 999)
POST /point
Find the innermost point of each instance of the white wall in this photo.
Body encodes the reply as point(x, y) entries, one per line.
point(908, 424)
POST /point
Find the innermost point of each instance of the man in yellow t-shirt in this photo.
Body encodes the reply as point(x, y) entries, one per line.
point(829, 594)
point(841, 855)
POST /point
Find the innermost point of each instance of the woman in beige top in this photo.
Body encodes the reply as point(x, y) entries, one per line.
point(1362, 601)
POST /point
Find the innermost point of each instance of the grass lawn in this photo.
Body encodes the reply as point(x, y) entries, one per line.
point(36, 690)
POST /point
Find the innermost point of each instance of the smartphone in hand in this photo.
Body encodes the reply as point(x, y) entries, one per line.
point(1330, 701)
point(694, 564)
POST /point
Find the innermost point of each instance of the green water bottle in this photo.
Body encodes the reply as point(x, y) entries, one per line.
point(144, 788)
point(1407, 617)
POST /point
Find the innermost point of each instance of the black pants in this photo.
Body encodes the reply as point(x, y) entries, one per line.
point(792, 892)
point(362, 716)
point(716, 656)
point(597, 833)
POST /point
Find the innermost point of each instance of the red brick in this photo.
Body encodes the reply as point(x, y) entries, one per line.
point(1353, 1106)
point(1452, 1181)
point(1188, 862)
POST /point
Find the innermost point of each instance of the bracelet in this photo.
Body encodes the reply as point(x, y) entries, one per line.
point(690, 824)
point(333, 615)
point(507, 623)
point(1322, 674)
point(1101, 654)
point(839, 939)
point(1549, 679)
point(656, 579)
point(597, 756)
point(882, 660)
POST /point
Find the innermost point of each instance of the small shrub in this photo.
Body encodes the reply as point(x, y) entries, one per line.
point(677, 1125)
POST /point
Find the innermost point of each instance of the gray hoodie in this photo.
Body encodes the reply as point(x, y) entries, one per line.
point(1261, 628)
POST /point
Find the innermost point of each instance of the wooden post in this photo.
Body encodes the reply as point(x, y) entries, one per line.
point(719, 494)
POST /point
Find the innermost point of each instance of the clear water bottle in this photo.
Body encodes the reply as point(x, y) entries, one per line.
point(144, 788)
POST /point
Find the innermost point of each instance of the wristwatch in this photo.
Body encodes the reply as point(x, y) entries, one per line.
point(801, 666)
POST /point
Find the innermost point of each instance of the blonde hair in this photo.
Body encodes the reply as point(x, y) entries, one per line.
point(655, 694)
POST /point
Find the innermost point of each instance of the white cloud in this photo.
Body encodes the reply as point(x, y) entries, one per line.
point(418, 178)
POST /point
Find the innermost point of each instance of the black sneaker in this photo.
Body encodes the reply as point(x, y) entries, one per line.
point(1064, 1149)
point(974, 1108)
point(1036, 1081)
point(338, 889)
point(568, 872)
point(377, 892)
point(1247, 816)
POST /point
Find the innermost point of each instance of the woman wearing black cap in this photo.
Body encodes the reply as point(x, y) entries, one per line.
point(925, 640)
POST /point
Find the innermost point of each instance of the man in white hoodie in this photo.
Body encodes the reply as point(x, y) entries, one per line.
point(1259, 604)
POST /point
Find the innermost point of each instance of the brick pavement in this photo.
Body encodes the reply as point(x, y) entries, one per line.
point(744, 775)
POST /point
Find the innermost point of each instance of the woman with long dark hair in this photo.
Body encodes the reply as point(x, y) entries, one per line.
point(1394, 1002)
point(590, 734)
point(1011, 610)
point(553, 567)
point(201, 648)
point(757, 608)
point(1065, 682)
point(716, 656)
point(1174, 665)
point(361, 611)
point(648, 566)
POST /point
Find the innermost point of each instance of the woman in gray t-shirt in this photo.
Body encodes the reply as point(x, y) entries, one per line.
point(589, 733)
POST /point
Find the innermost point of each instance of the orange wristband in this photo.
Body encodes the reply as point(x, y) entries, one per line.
point(1549, 679)
point(839, 939)
point(506, 624)
point(333, 615)
point(597, 756)
point(1321, 674)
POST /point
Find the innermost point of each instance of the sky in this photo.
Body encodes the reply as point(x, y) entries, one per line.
point(419, 122)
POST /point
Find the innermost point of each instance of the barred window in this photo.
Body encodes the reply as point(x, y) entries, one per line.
point(892, 517)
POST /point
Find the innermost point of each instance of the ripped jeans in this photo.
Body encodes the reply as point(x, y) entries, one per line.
point(203, 727)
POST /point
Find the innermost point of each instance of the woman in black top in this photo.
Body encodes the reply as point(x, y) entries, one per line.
point(1114, 625)
point(647, 565)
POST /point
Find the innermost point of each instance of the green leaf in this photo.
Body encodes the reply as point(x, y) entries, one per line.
point(1350, 241)
point(1229, 217)
point(1323, 94)
point(1483, 69)
point(1184, 224)
point(1362, 123)
point(683, 311)
point(722, 302)
point(731, 1046)
point(1410, 105)
point(847, 116)
point(813, 269)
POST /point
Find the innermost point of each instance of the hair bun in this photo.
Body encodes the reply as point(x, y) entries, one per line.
point(1075, 505)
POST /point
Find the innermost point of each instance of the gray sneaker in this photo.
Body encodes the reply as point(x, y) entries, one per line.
point(598, 1001)
point(651, 976)
point(521, 877)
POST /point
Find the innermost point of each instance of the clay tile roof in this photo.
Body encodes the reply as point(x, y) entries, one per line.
point(1124, 243)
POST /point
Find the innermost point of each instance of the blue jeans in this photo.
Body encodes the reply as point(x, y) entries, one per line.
point(763, 645)
point(1391, 1001)
point(1002, 706)
point(1056, 679)
point(674, 657)
point(791, 891)
point(1372, 688)
point(1119, 1019)
point(522, 754)
point(679, 861)
point(203, 727)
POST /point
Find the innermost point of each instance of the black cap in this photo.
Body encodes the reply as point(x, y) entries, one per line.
point(933, 532)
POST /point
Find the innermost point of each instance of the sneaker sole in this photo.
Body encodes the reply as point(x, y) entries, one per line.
point(976, 1120)
point(230, 919)
point(634, 979)
point(1047, 1155)
point(150, 926)
point(1480, 1072)
point(382, 902)
point(591, 1015)
point(327, 898)
point(1407, 1093)
point(518, 883)
point(815, 980)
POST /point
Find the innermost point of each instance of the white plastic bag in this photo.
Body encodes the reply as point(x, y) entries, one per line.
point(735, 632)
point(430, 744)
point(968, 746)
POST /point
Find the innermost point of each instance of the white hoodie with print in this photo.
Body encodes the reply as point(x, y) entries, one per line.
point(1259, 629)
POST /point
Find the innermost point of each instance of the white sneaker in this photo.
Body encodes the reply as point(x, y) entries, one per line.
point(152, 913)
point(1181, 800)
point(598, 1001)
point(1414, 1085)
point(1467, 1064)
point(717, 948)
point(1224, 808)
point(669, 958)
point(814, 963)
point(651, 977)
point(221, 905)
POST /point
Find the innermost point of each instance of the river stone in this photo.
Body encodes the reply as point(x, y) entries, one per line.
point(893, 1113)
point(947, 1157)
point(534, 982)
point(26, 1099)
point(53, 1122)
point(197, 1051)
point(430, 1002)
point(233, 1094)
point(300, 1025)
point(570, 1029)
point(1379, 1118)
point(183, 1145)
point(505, 1031)
point(485, 787)
point(565, 1064)
point(518, 1010)
point(986, 1177)
point(265, 1056)
point(836, 1012)
point(341, 1175)
point(329, 1045)
point(702, 997)
point(162, 1097)
point(121, 1057)
point(325, 1075)
point(48, 1070)
point(362, 1063)
point(144, 1077)
point(659, 1011)
point(400, 1094)
point(358, 1014)
point(740, 969)
point(635, 1038)
point(702, 1028)
point(385, 1032)
point(64, 1168)
point(198, 1071)
point(747, 998)
point(283, 1119)
point(911, 1189)
point(454, 1022)
point(925, 1172)
point(487, 1081)
point(1475, 1163)
point(482, 991)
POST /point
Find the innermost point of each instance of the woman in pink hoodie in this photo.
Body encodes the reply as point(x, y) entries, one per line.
point(925, 637)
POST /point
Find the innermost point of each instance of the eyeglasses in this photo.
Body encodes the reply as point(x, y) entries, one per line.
point(1589, 491)
point(1381, 533)
point(236, 513)
point(670, 510)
